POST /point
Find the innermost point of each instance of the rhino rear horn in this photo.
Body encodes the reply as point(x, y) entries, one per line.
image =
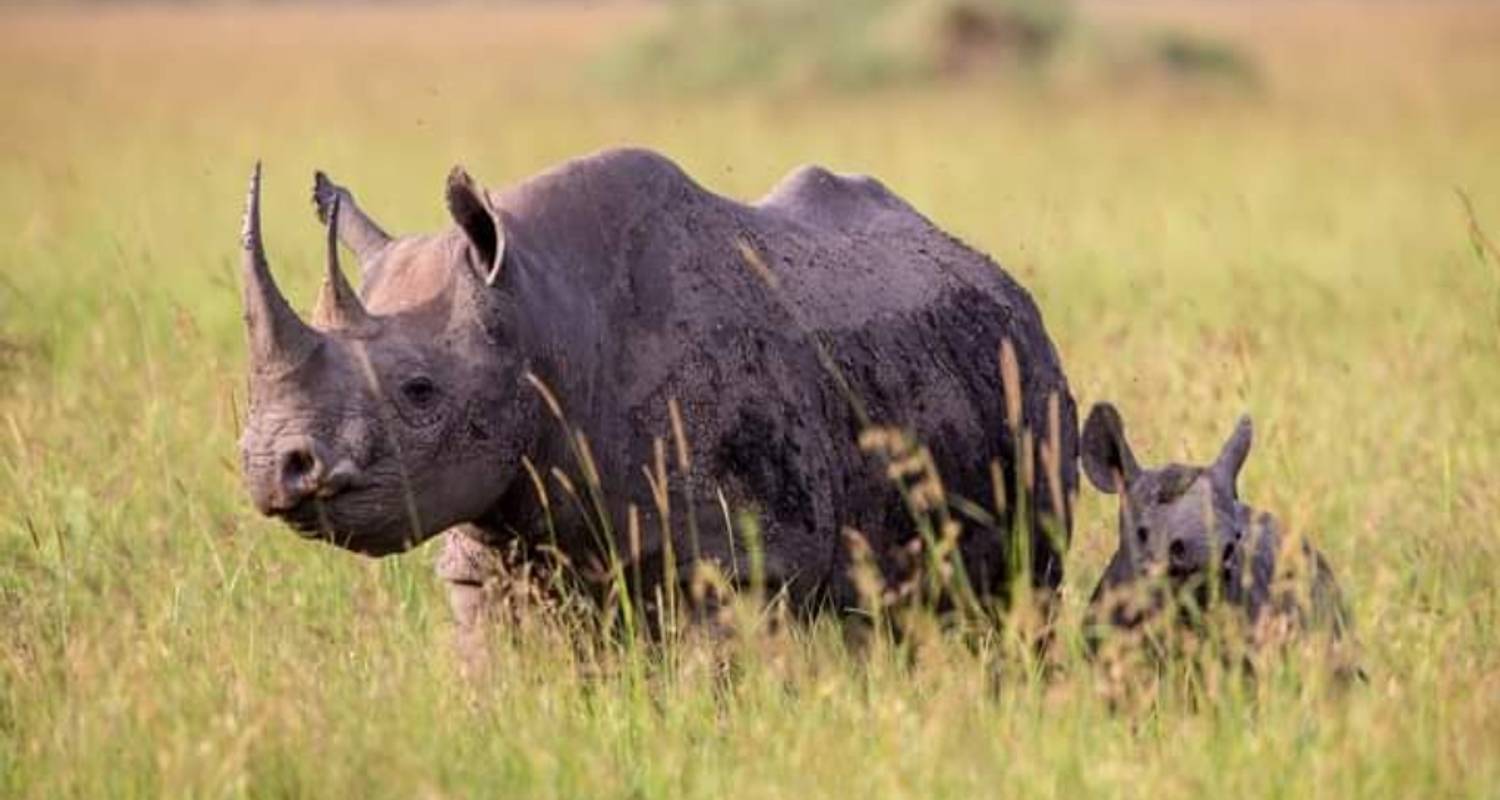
point(357, 231)
point(338, 306)
point(279, 339)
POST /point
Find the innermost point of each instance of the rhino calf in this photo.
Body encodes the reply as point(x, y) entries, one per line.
point(1186, 538)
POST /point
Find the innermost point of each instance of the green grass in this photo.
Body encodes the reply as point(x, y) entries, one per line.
point(1300, 254)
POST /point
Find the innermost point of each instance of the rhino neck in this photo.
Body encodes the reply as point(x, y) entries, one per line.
point(564, 314)
point(560, 344)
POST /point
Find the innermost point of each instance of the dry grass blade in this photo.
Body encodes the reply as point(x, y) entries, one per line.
point(1484, 247)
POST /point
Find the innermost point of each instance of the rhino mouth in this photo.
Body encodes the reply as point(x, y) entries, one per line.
point(310, 518)
point(354, 519)
point(1215, 578)
point(319, 517)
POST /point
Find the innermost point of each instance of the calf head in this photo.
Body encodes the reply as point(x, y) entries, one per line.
point(1180, 523)
point(396, 411)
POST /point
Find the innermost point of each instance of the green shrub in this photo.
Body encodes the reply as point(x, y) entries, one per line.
point(839, 43)
point(1195, 56)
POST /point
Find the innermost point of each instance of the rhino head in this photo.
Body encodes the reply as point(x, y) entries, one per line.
point(1182, 523)
point(396, 411)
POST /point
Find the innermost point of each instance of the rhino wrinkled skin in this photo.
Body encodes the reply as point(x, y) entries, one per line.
point(613, 286)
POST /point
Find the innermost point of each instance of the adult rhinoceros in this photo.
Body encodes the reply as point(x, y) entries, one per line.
point(616, 290)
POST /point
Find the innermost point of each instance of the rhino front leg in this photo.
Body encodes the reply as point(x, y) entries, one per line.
point(467, 565)
point(356, 231)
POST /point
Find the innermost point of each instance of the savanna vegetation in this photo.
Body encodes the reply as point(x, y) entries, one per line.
point(1312, 240)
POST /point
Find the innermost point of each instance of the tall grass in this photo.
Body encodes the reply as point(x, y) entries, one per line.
point(1297, 254)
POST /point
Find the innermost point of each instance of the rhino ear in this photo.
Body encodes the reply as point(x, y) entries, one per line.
point(1226, 467)
point(1105, 453)
point(471, 209)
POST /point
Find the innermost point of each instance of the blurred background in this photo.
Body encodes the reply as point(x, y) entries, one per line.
point(1285, 208)
point(1202, 144)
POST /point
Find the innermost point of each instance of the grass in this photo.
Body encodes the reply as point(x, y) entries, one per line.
point(1299, 254)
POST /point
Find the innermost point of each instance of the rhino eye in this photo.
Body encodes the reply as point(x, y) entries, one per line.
point(420, 392)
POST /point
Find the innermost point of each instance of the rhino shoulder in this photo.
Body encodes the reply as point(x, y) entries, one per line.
point(591, 204)
point(623, 172)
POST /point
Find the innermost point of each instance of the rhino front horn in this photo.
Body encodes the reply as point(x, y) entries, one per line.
point(278, 338)
point(338, 306)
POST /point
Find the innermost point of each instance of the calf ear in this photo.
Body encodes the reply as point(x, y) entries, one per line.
point(1105, 453)
point(1232, 457)
point(471, 209)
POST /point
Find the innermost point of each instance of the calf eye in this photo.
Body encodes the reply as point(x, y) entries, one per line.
point(419, 392)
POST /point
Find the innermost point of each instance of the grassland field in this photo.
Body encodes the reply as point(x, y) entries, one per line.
point(1299, 251)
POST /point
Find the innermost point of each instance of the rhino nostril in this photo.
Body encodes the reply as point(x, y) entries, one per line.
point(297, 463)
point(300, 472)
point(1177, 551)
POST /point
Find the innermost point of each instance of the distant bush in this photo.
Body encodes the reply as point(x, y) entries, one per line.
point(853, 44)
point(972, 34)
point(1194, 56)
point(842, 43)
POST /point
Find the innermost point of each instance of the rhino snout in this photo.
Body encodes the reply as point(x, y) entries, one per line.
point(1177, 555)
point(299, 469)
point(1187, 556)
